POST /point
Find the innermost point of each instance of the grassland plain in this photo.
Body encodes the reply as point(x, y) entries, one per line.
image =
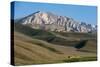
point(32, 46)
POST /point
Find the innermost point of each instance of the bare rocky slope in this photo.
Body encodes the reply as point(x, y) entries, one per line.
point(52, 22)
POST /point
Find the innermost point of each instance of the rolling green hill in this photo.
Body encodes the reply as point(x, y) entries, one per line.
point(34, 46)
point(44, 35)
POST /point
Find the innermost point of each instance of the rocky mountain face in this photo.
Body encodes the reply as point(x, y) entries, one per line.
point(52, 22)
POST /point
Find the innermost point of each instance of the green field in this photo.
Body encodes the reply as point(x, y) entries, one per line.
point(33, 46)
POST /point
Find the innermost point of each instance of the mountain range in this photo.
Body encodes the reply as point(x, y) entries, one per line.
point(52, 22)
point(45, 38)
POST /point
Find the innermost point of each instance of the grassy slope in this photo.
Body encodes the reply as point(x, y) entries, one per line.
point(44, 35)
point(30, 49)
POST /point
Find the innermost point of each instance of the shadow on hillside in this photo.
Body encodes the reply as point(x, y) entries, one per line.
point(88, 51)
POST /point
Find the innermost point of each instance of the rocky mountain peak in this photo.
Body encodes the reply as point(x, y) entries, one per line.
point(52, 22)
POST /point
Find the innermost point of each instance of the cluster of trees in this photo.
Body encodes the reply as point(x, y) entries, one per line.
point(81, 44)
